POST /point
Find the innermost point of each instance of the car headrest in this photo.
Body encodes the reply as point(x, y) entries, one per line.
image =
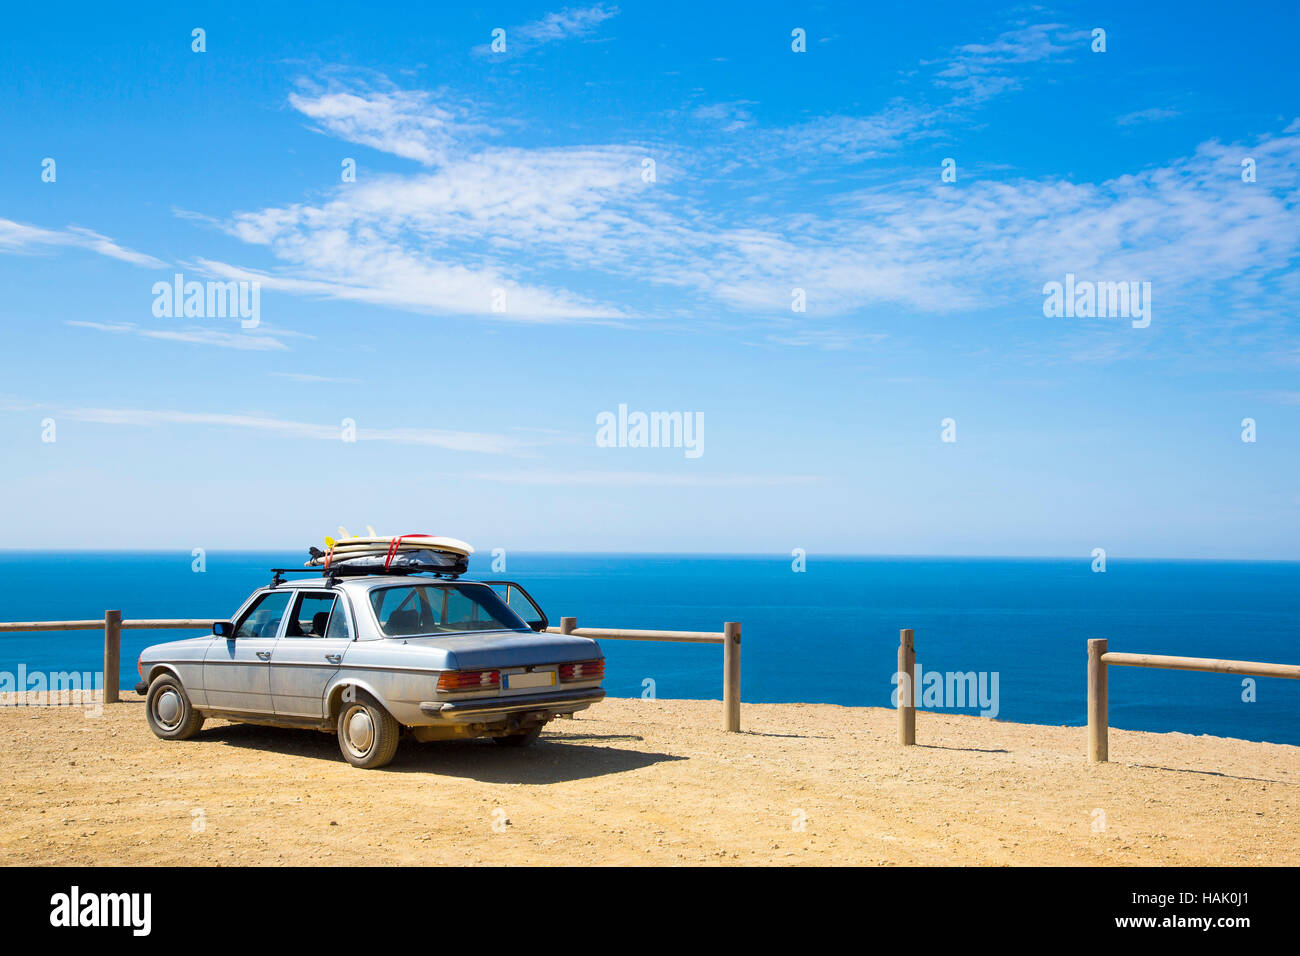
point(403, 622)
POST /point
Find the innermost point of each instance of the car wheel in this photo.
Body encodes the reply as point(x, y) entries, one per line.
point(520, 739)
point(168, 709)
point(367, 733)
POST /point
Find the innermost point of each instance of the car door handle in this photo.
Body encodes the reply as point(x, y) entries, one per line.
point(264, 655)
point(333, 658)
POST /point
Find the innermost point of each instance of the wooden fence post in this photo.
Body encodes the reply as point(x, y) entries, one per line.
point(112, 655)
point(731, 675)
point(906, 688)
point(567, 626)
point(1098, 705)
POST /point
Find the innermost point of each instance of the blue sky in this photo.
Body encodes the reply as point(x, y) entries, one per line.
point(521, 175)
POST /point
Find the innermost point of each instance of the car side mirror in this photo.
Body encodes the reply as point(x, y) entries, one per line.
point(224, 629)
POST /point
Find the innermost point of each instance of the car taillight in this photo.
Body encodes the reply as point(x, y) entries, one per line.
point(587, 670)
point(139, 668)
point(469, 680)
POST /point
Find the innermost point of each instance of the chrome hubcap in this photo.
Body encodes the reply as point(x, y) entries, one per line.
point(360, 730)
point(167, 708)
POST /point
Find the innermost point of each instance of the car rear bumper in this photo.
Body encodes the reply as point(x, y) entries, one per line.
point(475, 711)
point(142, 688)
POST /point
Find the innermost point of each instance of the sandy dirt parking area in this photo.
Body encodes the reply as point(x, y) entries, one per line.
point(644, 782)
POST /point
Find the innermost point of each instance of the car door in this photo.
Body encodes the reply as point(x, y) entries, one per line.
point(237, 670)
point(521, 602)
point(316, 636)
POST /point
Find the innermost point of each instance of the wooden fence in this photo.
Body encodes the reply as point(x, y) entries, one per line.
point(728, 637)
point(1100, 659)
point(113, 626)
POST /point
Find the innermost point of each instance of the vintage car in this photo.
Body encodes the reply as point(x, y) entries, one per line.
point(373, 657)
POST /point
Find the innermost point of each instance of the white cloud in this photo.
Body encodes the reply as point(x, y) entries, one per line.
point(446, 241)
point(1152, 115)
point(576, 234)
point(571, 22)
point(406, 123)
point(531, 221)
point(728, 117)
point(611, 479)
point(260, 339)
point(480, 442)
point(827, 340)
point(19, 237)
point(981, 71)
point(307, 379)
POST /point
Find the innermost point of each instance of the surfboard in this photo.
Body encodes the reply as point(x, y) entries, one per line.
point(383, 543)
point(414, 550)
point(378, 562)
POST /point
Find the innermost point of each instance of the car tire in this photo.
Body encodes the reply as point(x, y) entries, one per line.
point(520, 739)
point(168, 709)
point(367, 733)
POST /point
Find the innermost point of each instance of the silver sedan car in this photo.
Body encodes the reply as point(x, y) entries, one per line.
point(373, 657)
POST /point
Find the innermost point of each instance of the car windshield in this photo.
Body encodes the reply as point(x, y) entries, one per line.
point(410, 609)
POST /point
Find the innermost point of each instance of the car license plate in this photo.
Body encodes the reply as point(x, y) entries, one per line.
point(535, 679)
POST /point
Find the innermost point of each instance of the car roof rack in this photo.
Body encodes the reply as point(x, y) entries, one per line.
point(331, 574)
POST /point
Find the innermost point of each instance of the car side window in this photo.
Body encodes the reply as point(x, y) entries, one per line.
point(518, 601)
point(311, 614)
point(263, 618)
point(339, 626)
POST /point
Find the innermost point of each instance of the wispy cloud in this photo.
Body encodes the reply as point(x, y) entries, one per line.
point(408, 123)
point(569, 23)
point(307, 379)
point(460, 240)
point(728, 117)
point(481, 442)
point(560, 234)
point(20, 237)
point(1151, 115)
point(527, 221)
point(249, 340)
point(625, 478)
point(827, 340)
point(951, 89)
point(981, 71)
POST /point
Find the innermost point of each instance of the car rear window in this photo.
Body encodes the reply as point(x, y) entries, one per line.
point(405, 610)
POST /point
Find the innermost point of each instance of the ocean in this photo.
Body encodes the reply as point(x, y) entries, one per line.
point(828, 634)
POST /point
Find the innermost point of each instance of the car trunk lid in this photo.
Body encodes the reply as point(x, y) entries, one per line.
point(499, 649)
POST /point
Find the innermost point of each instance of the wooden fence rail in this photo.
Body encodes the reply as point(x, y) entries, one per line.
point(113, 626)
point(728, 637)
point(1100, 659)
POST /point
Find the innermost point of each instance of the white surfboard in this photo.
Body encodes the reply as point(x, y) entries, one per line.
point(380, 544)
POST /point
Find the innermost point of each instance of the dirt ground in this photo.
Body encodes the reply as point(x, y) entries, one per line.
point(644, 782)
